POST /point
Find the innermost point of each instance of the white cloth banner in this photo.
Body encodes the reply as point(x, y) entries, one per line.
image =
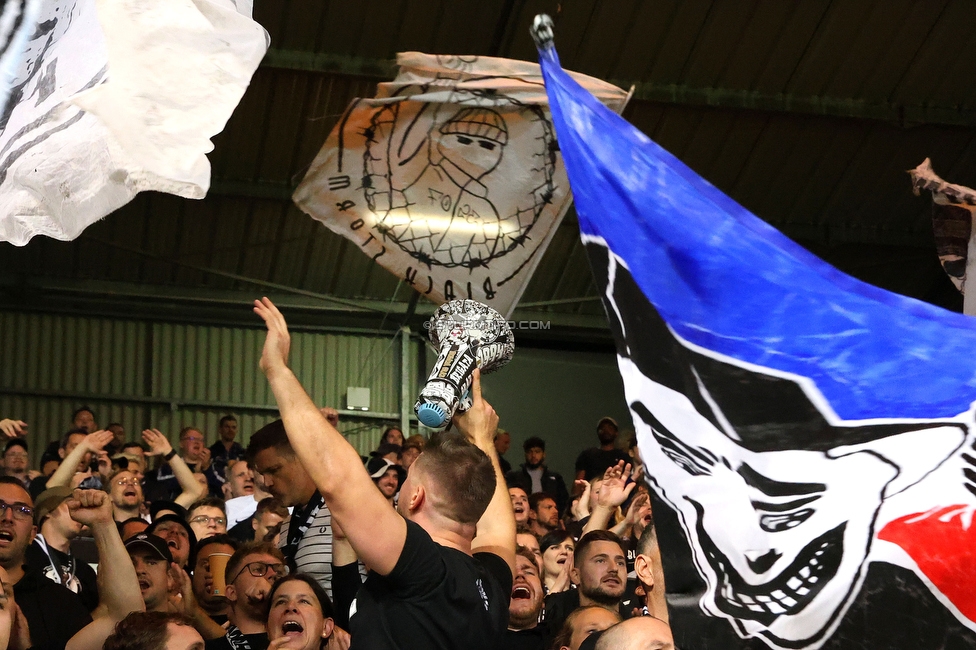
point(451, 177)
point(116, 97)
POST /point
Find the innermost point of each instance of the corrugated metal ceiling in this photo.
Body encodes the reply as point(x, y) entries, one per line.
point(807, 112)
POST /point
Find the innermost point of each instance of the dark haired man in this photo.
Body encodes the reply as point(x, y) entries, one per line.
point(543, 514)
point(222, 452)
point(306, 539)
point(600, 570)
point(593, 462)
point(154, 631)
point(207, 517)
point(387, 476)
point(218, 547)
point(76, 450)
point(268, 517)
point(533, 476)
point(16, 461)
point(432, 582)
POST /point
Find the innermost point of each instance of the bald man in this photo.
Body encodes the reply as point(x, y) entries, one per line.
point(639, 633)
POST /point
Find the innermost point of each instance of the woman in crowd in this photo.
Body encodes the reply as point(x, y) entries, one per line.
point(557, 560)
point(300, 614)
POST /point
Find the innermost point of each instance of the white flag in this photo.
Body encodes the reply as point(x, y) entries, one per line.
point(451, 178)
point(115, 97)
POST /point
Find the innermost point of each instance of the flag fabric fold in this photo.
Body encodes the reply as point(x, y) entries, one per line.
point(114, 98)
point(808, 437)
point(450, 178)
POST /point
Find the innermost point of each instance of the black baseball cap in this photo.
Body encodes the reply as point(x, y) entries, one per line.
point(148, 540)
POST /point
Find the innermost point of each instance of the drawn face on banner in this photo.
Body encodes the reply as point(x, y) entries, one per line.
point(780, 535)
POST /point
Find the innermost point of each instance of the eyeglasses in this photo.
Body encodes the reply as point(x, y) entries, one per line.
point(17, 455)
point(20, 511)
point(204, 519)
point(128, 481)
point(260, 569)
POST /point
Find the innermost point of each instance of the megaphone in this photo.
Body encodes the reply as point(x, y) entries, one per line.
point(469, 335)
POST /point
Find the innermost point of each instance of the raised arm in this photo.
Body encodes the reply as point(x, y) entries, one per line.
point(93, 443)
point(13, 428)
point(118, 586)
point(613, 491)
point(159, 445)
point(374, 529)
point(496, 528)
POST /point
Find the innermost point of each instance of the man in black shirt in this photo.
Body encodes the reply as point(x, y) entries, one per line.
point(432, 583)
point(534, 476)
point(50, 553)
point(592, 463)
point(54, 614)
point(600, 570)
point(524, 630)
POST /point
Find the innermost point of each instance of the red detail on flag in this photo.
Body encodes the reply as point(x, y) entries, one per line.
point(944, 549)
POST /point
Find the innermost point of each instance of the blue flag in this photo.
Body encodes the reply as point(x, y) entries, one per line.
point(807, 437)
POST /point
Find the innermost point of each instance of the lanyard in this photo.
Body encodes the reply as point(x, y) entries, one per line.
point(59, 576)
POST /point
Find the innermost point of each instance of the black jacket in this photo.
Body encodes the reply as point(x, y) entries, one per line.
point(552, 484)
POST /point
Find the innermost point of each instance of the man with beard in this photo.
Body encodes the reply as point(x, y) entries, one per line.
point(520, 505)
point(600, 570)
point(593, 462)
point(386, 476)
point(543, 514)
point(216, 606)
point(222, 453)
point(50, 553)
point(251, 572)
point(524, 630)
point(53, 613)
point(125, 490)
point(534, 476)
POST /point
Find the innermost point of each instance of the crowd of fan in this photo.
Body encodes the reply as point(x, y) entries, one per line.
point(285, 544)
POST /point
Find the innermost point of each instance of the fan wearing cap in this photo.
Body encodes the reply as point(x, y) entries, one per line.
point(387, 476)
point(155, 569)
point(118, 585)
point(50, 552)
point(169, 524)
point(593, 462)
point(442, 563)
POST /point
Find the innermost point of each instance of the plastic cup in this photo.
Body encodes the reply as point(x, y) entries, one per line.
point(218, 565)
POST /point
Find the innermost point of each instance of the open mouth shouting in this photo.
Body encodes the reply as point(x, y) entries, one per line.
point(6, 536)
point(786, 594)
point(291, 628)
point(521, 592)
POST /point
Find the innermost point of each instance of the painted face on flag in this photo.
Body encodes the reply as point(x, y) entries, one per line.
point(781, 537)
point(778, 497)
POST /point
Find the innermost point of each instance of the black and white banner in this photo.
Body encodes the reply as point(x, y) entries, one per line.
point(115, 97)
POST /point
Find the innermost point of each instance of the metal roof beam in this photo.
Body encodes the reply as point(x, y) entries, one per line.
point(673, 94)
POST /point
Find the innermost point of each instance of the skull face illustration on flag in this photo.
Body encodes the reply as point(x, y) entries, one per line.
point(808, 438)
point(450, 178)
